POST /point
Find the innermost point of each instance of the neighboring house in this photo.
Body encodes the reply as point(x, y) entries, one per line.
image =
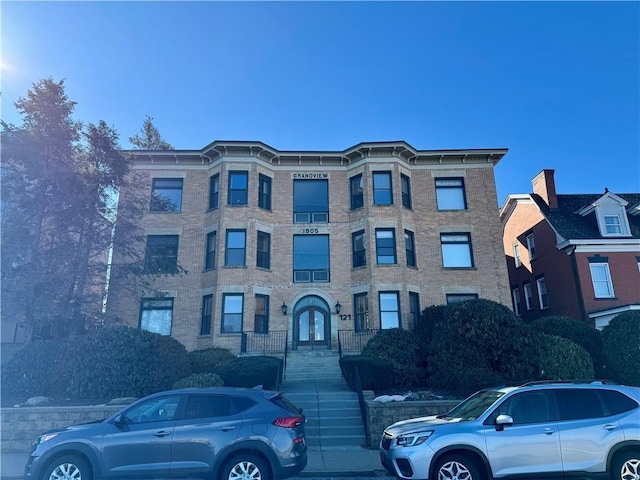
point(573, 255)
point(301, 248)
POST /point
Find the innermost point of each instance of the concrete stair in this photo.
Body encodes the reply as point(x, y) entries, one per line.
point(313, 365)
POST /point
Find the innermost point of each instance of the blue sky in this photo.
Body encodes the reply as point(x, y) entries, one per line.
point(558, 83)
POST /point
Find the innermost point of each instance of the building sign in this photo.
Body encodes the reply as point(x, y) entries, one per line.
point(310, 176)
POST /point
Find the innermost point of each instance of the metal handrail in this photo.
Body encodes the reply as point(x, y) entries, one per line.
point(363, 405)
point(273, 342)
point(354, 341)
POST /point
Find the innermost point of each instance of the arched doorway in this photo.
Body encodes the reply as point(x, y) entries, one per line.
point(312, 323)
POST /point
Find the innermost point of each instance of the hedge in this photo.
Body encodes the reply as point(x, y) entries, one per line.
point(621, 348)
point(375, 373)
point(208, 359)
point(401, 349)
point(251, 371)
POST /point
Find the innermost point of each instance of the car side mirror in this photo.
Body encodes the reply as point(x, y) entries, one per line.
point(502, 421)
point(121, 419)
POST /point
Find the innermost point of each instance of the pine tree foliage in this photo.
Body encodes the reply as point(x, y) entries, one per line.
point(149, 137)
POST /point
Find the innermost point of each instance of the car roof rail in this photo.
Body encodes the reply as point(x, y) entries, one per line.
point(587, 381)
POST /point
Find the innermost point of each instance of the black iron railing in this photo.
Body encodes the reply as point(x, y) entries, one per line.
point(363, 406)
point(353, 341)
point(264, 343)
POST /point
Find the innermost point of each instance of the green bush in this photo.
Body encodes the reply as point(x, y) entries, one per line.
point(423, 330)
point(208, 359)
point(375, 373)
point(562, 359)
point(252, 371)
point(482, 343)
point(400, 348)
point(199, 380)
point(587, 337)
point(621, 348)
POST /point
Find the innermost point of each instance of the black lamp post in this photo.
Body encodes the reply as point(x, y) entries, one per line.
point(284, 308)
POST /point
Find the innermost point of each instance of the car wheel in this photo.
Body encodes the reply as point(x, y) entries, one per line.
point(626, 466)
point(246, 467)
point(68, 467)
point(458, 467)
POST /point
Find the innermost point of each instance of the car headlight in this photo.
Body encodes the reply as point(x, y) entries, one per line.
point(46, 437)
point(413, 439)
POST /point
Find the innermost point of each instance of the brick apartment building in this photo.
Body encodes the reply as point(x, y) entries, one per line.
point(573, 255)
point(299, 248)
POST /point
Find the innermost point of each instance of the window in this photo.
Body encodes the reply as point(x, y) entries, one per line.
point(235, 251)
point(531, 246)
point(516, 255)
point(578, 403)
point(542, 293)
point(601, 279)
point(155, 409)
point(456, 250)
point(210, 254)
point(612, 224)
point(450, 194)
point(528, 296)
point(207, 310)
point(166, 195)
point(515, 297)
point(361, 305)
point(389, 310)
point(310, 201)
point(616, 402)
point(264, 250)
point(357, 192)
point(214, 189)
point(382, 192)
point(386, 246)
point(156, 315)
point(414, 308)
point(261, 316)
point(533, 407)
point(359, 249)
point(238, 188)
point(207, 406)
point(264, 192)
point(232, 310)
point(409, 248)
point(406, 191)
point(310, 258)
point(453, 298)
point(161, 255)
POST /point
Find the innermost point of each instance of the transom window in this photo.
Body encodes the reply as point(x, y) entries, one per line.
point(601, 279)
point(456, 250)
point(450, 194)
point(238, 188)
point(166, 195)
point(386, 246)
point(359, 249)
point(357, 192)
point(389, 310)
point(236, 248)
point(156, 315)
point(406, 191)
point(310, 258)
point(161, 255)
point(382, 191)
point(310, 201)
point(264, 192)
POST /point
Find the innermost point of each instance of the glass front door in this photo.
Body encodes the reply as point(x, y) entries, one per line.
point(311, 327)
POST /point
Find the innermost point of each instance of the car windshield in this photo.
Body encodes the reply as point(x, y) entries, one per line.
point(474, 406)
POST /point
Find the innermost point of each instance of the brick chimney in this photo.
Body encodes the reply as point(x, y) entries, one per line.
point(545, 186)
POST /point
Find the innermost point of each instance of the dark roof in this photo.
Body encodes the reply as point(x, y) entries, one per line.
point(571, 225)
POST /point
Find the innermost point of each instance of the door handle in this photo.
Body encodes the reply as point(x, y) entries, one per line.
point(548, 431)
point(228, 428)
point(161, 433)
point(610, 426)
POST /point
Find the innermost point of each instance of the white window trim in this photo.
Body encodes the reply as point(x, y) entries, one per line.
point(531, 247)
point(516, 255)
point(528, 296)
point(608, 280)
point(515, 297)
point(540, 281)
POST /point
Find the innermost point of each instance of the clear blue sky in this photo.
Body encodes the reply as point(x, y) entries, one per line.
point(557, 83)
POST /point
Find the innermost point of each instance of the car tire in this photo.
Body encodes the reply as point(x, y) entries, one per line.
point(626, 466)
point(457, 467)
point(68, 467)
point(246, 467)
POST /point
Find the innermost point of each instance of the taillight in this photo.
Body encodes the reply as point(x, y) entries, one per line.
point(288, 422)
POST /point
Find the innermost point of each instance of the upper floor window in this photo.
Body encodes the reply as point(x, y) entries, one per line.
point(406, 191)
point(359, 249)
point(612, 224)
point(264, 250)
point(210, 253)
point(516, 255)
point(601, 279)
point(450, 194)
point(382, 192)
point(409, 246)
point(207, 312)
point(310, 201)
point(214, 190)
point(238, 188)
point(386, 246)
point(232, 312)
point(543, 298)
point(361, 310)
point(515, 297)
point(528, 296)
point(156, 315)
point(414, 308)
point(310, 258)
point(264, 192)
point(389, 310)
point(261, 316)
point(356, 191)
point(166, 195)
point(531, 246)
point(453, 298)
point(456, 250)
point(235, 248)
point(161, 254)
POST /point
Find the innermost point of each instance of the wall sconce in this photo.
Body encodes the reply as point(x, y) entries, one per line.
point(338, 306)
point(284, 308)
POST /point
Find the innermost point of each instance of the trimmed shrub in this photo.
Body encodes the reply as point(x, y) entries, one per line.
point(375, 373)
point(566, 327)
point(252, 371)
point(621, 348)
point(208, 359)
point(561, 359)
point(423, 330)
point(400, 348)
point(199, 380)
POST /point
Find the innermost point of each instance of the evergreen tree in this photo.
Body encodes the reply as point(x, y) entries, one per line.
point(149, 137)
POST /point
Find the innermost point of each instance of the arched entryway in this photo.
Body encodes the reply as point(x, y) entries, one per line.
point(311, 323)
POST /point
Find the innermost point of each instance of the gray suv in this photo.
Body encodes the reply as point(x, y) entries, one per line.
point(217, 433)
point(538, 430)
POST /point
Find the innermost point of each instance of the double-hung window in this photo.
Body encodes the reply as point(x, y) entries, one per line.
point(264, 192)
point(310, 201)
point(382, 191)
point(450, 194)
point(543, 298)
point(516, 255)
point(207, 312)
point(386, 246)
point(359, 249)
point(232, 311)
point(410, 250)
point(414, 308)
point(235, 248)
point(356, 191)
point(238, 188)
point(261, 316)
point(517, 305)
point(389, 310)
point(528, 296)
point(310, 258)
point(456, 250)
point(361, 307)
point(214, 191)
point(210, 253)
point(156, 315)
point(601, 279)
point(161, 255)
point(405, 183)
point(612, 224)
point(264, 250)
point(531, 246)
point(166, 195)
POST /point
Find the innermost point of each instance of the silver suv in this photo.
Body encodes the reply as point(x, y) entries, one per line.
point(537, 430)
point(217, 433)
